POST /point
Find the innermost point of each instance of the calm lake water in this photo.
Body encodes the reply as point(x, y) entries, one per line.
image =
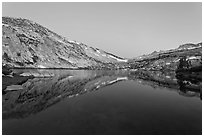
point(100, 102)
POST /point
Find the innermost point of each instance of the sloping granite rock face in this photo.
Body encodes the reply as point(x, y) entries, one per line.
point(170, 60)
point(26, 44)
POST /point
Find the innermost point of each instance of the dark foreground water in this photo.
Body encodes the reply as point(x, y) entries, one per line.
point(100, 102)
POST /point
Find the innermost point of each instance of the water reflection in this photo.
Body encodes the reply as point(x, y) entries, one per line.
point(51, 86)
point(157, 79)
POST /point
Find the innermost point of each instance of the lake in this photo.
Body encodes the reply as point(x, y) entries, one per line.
point(122, 102)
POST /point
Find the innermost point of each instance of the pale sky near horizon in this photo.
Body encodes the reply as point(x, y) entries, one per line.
point(124, 29)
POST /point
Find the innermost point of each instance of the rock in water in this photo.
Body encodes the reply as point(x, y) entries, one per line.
point(13, 87)
point(6, 70)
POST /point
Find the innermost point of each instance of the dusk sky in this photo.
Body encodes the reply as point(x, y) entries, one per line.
point(124, 29)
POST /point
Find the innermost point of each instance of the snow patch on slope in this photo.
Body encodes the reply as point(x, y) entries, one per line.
point(120, 60)
point(98, 51)
point(74, 42)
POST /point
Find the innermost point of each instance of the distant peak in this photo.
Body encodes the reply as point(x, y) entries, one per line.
point(190, 45)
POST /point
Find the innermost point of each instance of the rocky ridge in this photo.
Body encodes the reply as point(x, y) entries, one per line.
point(169, 60)
point(26, 44)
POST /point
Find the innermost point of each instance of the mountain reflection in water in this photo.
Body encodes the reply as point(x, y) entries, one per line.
point(40, 93)
point(100, 102)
